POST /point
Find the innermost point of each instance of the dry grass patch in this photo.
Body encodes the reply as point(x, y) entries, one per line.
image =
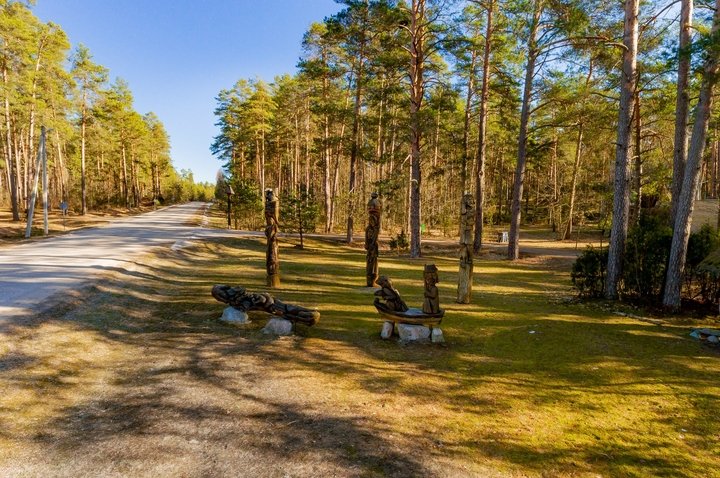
point(141, 378)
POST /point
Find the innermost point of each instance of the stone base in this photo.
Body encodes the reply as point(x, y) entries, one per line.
point(413, 333)
point(437, 336)
point(278, 326)
point(387, 330)
point(231, 315)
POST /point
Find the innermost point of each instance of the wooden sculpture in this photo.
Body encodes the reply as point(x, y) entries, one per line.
point(272, 217)
point(392, 308)
point(465, 275)
point(239, 298)
point(372, 232)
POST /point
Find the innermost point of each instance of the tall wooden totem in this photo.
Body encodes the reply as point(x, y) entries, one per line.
point(465, 275)
point(272, 216)
point(372, 232)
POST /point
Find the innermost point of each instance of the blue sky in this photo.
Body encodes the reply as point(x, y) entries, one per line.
point(178, 54)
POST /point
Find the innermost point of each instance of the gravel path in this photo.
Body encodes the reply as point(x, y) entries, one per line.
point(31, 273)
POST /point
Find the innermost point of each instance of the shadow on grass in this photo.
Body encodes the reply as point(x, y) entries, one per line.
point(522, 384)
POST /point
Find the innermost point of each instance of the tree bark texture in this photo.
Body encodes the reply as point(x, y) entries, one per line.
point(691, 175)
point(83, 187)
point(13, 183)
point(637, 161)
point(417, 91)
point(482, 134)
point(514, 236)
point(466, 159)
point(621, 200)
point(573, 183)
point(682, 102)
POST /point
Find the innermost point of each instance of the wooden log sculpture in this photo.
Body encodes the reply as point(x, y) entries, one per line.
point(372, 232)
point(465, 275)
point(388, 296)
point(272, 217)
point(392, 308)
point(241, 299)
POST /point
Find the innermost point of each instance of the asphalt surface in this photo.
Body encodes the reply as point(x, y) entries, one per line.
point(31, 273)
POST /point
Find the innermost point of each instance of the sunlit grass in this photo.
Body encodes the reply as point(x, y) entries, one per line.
point(526, 385)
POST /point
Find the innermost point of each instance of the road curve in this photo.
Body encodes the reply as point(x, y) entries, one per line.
point(31, 273)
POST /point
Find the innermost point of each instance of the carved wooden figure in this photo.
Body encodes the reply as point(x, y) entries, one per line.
point(388, 296)
point(431, 304)
point(272, 217)
point(372, 232)
point(465, 275)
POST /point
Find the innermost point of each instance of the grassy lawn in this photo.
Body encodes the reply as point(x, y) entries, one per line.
point(137, 377)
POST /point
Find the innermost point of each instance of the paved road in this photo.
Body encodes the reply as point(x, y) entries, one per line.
point(30, 273)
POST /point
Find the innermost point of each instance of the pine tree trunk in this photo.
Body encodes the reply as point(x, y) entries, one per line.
point(326, 176)
point(417, 85)
point(482, 134)
point(353, 158)
point(466, 159)
point(682, 102)
point(573, 183)
point(691, 175)
point(637, 162)
point(326, 156)
point(126, 193)
point(83, 187)
point(355, 141)
point(515, 212)
point(621, 201)
point(13, 183)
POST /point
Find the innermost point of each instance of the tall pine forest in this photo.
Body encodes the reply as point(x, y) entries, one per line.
point(101, 152)
point(521, 103)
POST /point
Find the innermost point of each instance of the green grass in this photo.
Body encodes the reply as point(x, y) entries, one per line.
point(141, 365)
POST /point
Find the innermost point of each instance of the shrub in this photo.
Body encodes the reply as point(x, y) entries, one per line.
point(399, 243)
point(700, 245)
point(646, 255)
point(301, 213)
point(588, 272)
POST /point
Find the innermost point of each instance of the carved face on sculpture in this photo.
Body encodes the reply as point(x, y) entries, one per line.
point(468, 201)
point(384, 281)
point(269, 195)
point(374, 205)
point(430, 274)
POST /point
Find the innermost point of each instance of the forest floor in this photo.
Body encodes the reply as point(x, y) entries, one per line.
point(137, 377)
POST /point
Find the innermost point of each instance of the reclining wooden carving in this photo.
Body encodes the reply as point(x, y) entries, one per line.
point(239, 298)
point(392, 308)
